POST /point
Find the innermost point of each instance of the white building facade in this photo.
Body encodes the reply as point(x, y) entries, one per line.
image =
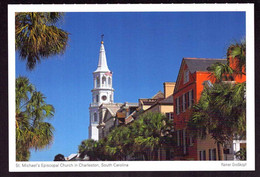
point(101, 93)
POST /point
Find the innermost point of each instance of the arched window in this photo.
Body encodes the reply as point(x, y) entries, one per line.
point(97, 100)
point(98, 82)
point(95, 117)
point(109, 81)
point(103, 81)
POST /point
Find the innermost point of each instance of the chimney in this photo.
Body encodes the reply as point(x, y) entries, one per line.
point(168, 88)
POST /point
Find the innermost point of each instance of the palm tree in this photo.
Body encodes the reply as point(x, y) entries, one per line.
point(37, 37)
point(236, 64)
point(153, 130)
point(236, 54)
point(32, 132)
point(119, 142)
point(88, 147)
point(221, 110)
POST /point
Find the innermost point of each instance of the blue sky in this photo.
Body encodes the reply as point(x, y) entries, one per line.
point(143, 50)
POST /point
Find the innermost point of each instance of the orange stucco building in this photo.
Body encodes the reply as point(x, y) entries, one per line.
point(192, 75)
point(189, 85)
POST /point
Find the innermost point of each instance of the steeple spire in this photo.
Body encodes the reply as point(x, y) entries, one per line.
point(102, 62)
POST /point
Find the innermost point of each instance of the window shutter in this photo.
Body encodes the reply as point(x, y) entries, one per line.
point(180, 104)
point(186, 100)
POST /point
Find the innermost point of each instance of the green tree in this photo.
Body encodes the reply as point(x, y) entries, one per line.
point(88, 147)
point(59, 157)
point(236, 64)
point(32, 132)
point(220, 112)
point(152, 131)
point(241, 155)
point(37, 36)
point(119, 142)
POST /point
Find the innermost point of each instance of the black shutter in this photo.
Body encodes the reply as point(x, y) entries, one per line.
point(192, 97)
point(180, 103)
point(175, 106)
point(187, 100)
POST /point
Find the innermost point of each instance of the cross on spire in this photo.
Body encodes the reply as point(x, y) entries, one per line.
point(102, 36)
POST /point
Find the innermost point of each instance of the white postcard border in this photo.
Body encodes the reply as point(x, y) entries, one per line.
point(247, 165)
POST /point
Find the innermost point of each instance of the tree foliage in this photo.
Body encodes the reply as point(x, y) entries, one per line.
point(147, 133)
point(221, 110)
point(59, 157)
point(32, 130)
point(37, 36)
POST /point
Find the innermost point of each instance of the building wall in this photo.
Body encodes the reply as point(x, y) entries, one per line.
point(166, 108)
point(109, 124)
point(195, 83)
point(154, 109)
point(93, 130)
point(180, 121)
point(207, 144)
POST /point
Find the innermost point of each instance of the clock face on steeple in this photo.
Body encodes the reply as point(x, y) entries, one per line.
point(104, 98)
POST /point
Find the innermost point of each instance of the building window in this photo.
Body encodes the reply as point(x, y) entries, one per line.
point(203, 155)
point(183, 103)
point(168, 154)
point(98, 81)
point(186, 100)
point(214, 154)
point(191, 141)
point(95, 117)
point(104, 97)
point(184, 141)
point(178, 138)
point(191, 99)
point(169, 115)
point(97, 100)
point(181, 137)
point(186, 77)
point(178, 105)
point(104, 81)
point(109, 81)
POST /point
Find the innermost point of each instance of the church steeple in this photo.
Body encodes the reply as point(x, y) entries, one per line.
point(102, 61)
point(102, 92)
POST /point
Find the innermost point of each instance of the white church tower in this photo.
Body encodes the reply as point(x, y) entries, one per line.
point(102, 91)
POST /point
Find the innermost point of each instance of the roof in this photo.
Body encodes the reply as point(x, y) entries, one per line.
point(201, 64)
point(168, 100)
point(111, 108)
point(196, 64)
point(158, 95)
point(120, 115)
